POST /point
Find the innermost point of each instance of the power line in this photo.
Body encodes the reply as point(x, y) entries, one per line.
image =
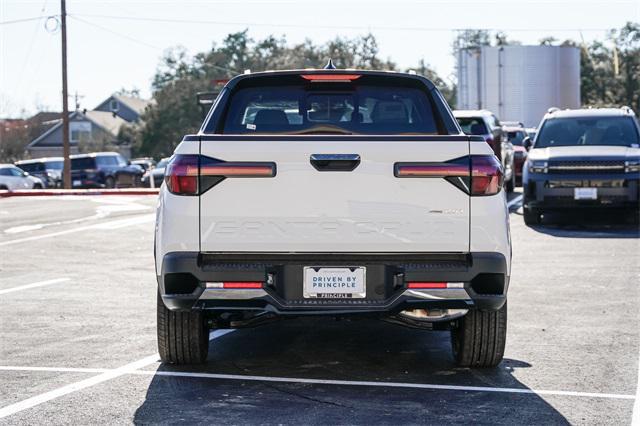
point(144, 43)
point(351, 27)
point(16, 21)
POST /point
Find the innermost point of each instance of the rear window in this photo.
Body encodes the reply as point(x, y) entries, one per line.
point(339, 109)
point(54, 165)
point(83, 163)
point(473, 126)
point(32, 167)
point(517, 137)
point(572, 131)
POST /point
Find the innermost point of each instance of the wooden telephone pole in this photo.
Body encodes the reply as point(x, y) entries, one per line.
point(66, 149)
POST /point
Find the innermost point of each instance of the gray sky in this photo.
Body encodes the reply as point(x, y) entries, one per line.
point(118, 43)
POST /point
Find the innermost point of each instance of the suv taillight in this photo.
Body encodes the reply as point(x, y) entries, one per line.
point(191, 174)
point(486, 175)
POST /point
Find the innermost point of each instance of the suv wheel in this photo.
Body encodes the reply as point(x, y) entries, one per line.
point(109, 182)
point(183, 337)
point(511, 184)
point(480, 337)
point(531, 216)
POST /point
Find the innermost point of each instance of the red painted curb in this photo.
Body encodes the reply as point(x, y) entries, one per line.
point(56, 192)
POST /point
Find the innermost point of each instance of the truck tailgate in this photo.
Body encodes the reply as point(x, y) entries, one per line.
point(304, 209)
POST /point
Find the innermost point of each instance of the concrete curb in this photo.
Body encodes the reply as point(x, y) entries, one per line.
point(57, 192)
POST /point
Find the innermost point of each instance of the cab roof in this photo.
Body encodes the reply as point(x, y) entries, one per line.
point(350, 71)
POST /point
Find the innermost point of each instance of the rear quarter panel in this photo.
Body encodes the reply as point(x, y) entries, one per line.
point(489, 231)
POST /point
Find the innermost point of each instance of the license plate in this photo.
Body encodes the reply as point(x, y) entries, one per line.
point(585, 193)
point(334, 283)
point(77, 182)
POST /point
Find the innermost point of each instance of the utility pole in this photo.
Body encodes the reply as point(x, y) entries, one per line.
point(66, 172)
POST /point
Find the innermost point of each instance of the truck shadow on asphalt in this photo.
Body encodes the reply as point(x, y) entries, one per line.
point(358, 350)
point(587, 225)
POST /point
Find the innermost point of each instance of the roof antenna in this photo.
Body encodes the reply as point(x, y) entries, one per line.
point(330, 65)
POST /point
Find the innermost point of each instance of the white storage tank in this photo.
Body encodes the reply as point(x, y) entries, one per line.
point(519, 83)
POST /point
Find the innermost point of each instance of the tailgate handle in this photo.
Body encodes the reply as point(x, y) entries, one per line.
point(335, 162)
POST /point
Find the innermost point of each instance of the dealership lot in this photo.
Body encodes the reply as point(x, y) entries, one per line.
point(77, 335)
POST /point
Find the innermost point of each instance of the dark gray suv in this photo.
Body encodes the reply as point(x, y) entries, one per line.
point(586, 158)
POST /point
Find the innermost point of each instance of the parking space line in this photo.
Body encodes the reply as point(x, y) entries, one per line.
point(34, 285)
point(514, 202)
point(74, 387)
point(134, 369)
point(635, 418)
point(385, 384)
point(114, 224)
point(54, 369)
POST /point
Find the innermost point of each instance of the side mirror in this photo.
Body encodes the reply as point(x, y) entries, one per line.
point(527, 143)
point(128, 162)
point(25, 174)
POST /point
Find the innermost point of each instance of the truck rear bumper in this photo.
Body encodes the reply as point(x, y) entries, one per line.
point(475, 280)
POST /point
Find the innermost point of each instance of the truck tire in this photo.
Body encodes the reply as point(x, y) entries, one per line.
point(110, 182)
point(183, 337)
point(480, 337)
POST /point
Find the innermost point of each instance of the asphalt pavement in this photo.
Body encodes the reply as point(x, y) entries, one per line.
point(78, 343)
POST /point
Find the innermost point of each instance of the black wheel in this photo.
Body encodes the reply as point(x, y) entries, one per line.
point(511, 183)
point(37, 186)
point(183, 337)
point(3, 188)
point(110, 182)
point(480, 337)
point(531, 216)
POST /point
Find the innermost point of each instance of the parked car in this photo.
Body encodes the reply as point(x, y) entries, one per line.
point(531, 132)
point(13, 178)
point(157, 173)
point(371, 202)
point(583, 159)
point(516, 136)
point(49, 170)
point(146, 163)
point(104, 170)
point(484, 123)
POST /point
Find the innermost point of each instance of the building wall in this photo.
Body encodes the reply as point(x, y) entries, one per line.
point(519, 83)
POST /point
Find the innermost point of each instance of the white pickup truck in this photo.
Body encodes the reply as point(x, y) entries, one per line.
point(336, 193)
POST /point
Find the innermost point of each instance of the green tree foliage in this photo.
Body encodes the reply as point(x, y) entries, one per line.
point(609, 69)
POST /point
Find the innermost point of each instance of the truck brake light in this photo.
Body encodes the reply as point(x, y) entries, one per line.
point(191, 174)
point(486, 175)
point(477, 175)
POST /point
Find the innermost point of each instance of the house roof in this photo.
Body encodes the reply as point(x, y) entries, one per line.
point(107, 121)
point(136, 104)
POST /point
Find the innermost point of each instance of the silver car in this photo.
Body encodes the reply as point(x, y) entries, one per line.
point(14, 178)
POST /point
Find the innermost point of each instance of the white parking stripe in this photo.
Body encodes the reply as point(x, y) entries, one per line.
point(54, 369)
point(385, 384)
point(219, 333)
point(33, 285)
point(135, 371)
point(515, 201)
point(635, 419)
point(106, 374)
point(114, 224)
point(74, 387)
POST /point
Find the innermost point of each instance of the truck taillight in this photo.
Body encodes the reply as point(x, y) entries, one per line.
point(181, 174)
point(192, 174)
point(477, 175)
point(486, 175)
